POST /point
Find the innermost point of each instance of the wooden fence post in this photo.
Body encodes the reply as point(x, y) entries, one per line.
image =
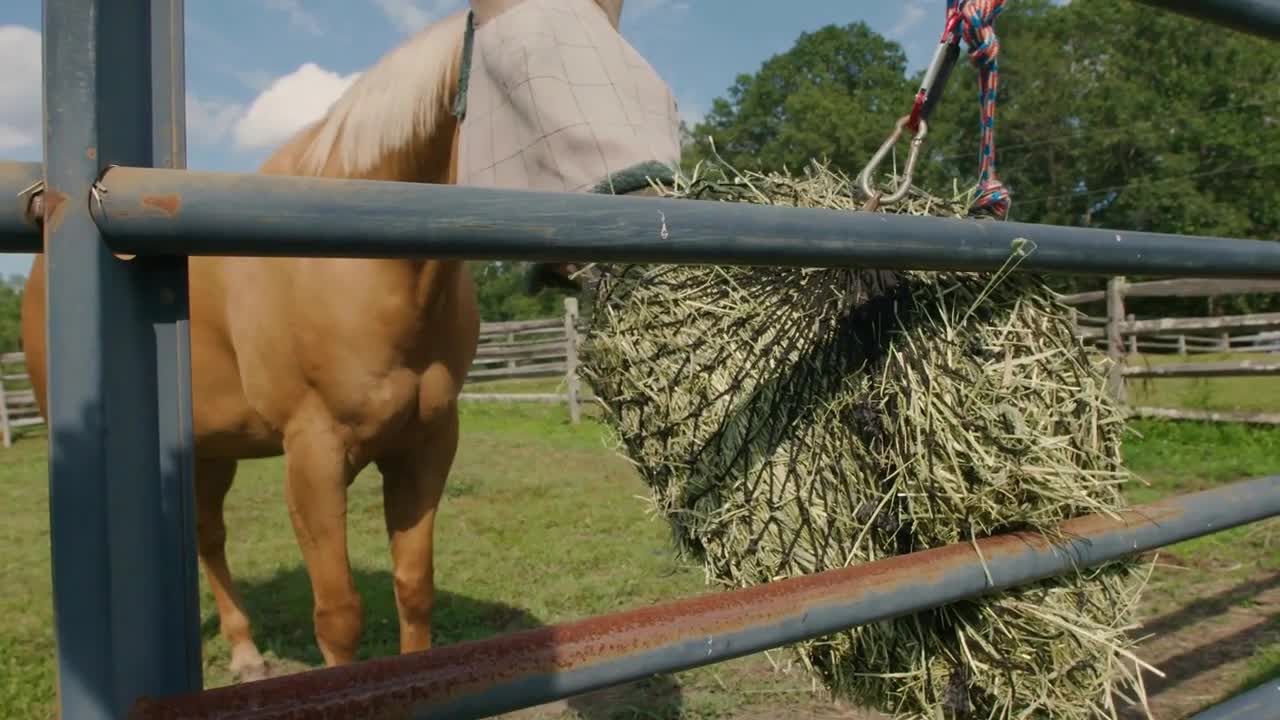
point(571, 358)
point(4, 411)
point(1115, 338)
point(1133, 339)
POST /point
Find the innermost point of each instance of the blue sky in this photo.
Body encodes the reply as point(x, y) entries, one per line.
point(257, 69)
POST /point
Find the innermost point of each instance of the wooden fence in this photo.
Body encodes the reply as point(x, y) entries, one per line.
point(18, 407)
point(1122, 335)
point(520, 350)
point(526, 349)
point(548, 348)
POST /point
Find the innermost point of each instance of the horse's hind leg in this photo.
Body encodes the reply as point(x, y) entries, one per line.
point(412, 483)
point(213, 481)
point(316, 485)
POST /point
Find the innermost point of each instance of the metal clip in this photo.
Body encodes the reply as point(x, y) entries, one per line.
point(32, 199)
point(935, 79)
point(930, 92)
point(864, 178)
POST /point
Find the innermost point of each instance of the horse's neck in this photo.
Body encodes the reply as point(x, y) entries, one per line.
point(433, 160)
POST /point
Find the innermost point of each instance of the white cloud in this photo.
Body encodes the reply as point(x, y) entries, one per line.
point(913, 11)
point(21, 115)
point(299, 18)
point(289, 104)
point(410, 16)
point(210, 121)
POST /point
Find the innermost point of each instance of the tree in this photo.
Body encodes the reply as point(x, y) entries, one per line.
point(10, 313)
point(834, 95)
point(1120, 116)
point(500, 294)
point(1110, 114)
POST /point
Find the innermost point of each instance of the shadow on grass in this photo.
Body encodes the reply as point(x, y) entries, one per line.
point(279, 608)
point(1204, 650)
point(1209, 607)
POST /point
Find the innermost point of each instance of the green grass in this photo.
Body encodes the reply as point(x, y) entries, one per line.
point(1250, 394)
point(543, 523)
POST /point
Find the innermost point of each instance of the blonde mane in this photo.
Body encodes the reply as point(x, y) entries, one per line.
point(401, 99)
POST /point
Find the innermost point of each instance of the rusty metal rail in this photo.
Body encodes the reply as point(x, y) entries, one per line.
point(504, 673)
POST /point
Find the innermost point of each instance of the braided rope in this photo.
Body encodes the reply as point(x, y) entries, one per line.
point(977, 27)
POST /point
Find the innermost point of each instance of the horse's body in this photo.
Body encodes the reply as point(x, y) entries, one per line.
point(335, 363)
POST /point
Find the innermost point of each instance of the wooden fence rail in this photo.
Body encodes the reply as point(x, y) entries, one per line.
point(1189, 344)
point(528, 349)
point(1122, 335)
point(18, 407)
point(548, 348)
point(515, 350)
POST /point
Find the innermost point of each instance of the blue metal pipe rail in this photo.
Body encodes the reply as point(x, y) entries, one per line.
point(126, 611)
point(1259, 703)
point(160, 213)
point(1255, 17)
point(19, 186)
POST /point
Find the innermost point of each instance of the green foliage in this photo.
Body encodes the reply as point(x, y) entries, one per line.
point(1115, 115)
point(10, 312)
point(1111, 115)
point(832, 96)
point(501, 296)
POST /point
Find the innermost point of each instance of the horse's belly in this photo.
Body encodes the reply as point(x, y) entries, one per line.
point(234, 430)
point(225, 425)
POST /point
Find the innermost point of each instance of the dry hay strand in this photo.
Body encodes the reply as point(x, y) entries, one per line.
point(792, 420)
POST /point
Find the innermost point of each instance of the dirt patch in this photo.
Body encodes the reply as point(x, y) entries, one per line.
point(1204, 646)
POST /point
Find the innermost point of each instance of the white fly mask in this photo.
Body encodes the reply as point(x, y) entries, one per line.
point(555, 99)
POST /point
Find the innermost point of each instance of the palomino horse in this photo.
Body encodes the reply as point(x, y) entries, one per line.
point(338, 363)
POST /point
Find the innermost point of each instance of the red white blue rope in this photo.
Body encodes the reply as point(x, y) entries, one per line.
point(977, 27)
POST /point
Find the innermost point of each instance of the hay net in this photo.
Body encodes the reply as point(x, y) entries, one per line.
point(792, 420)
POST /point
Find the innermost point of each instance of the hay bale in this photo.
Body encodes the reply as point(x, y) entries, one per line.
point(789, 421)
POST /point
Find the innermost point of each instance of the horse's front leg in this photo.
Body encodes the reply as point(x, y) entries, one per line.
point(412, 484)
point(213, 482)
point(317, 476)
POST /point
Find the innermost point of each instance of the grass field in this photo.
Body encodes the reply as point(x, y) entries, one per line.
point(543, 523)
point(1244, 394)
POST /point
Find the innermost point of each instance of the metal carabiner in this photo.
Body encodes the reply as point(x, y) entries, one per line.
point(935, 78)
point(927, 97)
point(864, 178)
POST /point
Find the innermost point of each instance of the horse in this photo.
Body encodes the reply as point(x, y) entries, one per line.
point(281, 364)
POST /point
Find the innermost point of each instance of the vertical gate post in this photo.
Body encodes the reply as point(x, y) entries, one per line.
point(125, 601)
point(1115, 339)
point(573, 389)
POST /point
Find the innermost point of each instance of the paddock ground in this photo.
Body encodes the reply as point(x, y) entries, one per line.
point(544, 523)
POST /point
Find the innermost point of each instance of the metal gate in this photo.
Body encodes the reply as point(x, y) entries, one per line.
point(123, 537)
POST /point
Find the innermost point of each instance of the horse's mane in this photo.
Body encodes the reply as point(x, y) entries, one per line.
point(402, 98)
